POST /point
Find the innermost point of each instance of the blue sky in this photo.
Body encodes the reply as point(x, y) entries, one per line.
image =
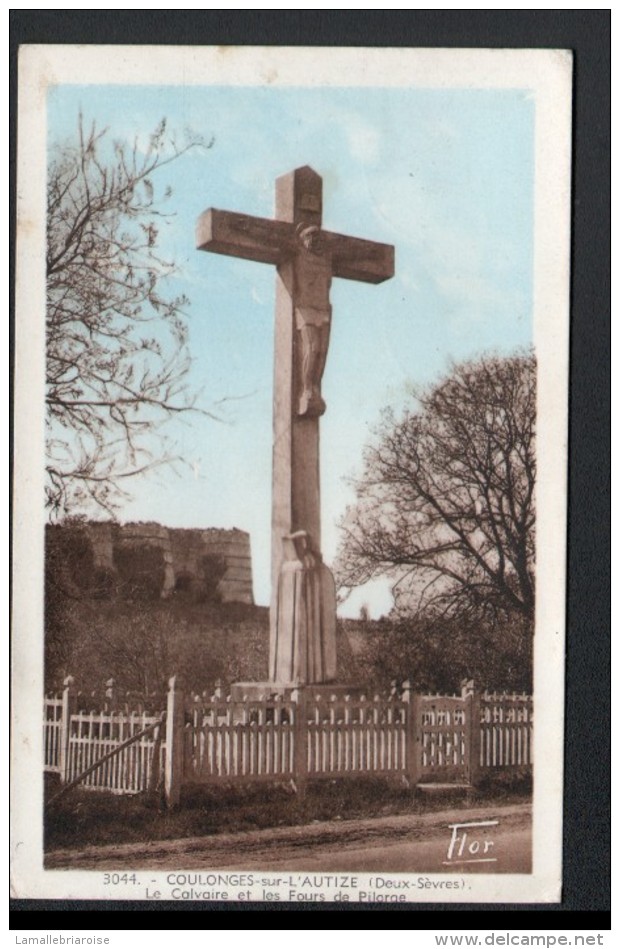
point(445, 175)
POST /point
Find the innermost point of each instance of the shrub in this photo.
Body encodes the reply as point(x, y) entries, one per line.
point(213, 567)
point(140, 571)
point(183, 583)
point(104, 583)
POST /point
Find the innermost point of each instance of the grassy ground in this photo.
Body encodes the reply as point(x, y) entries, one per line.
point(86, 818)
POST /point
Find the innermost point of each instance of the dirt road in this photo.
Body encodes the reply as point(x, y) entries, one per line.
point(499, 840)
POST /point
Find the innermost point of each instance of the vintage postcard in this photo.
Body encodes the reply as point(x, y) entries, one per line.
point(290, 497)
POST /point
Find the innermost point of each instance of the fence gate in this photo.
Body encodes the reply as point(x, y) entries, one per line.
point(444, 739)
point(118, 750)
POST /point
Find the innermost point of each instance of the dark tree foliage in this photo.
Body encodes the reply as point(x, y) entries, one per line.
point(183, 583)
point(69, 572)
point(140, 569)
point(116, 332)
point(437, 655)
point(445, 504)
point(212, 567)
point(140, 652)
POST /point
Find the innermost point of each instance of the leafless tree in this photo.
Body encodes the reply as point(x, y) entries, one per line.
point(116, 333)
point(446, 501)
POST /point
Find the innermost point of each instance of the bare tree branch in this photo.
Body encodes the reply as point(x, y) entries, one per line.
point(445, 505)
point(117, 354)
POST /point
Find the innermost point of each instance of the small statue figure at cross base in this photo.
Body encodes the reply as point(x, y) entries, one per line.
point(303, 601)
point(305, 646)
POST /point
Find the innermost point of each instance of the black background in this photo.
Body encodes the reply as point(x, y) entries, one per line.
point(586, 894)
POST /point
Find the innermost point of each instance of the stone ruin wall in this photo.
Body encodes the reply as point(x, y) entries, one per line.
point(183, 550)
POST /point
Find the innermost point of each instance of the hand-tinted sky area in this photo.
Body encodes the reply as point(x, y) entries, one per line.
point(444, 175)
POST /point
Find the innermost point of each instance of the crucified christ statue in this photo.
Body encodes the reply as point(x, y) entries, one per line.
point(312, 280)
point(303, 603)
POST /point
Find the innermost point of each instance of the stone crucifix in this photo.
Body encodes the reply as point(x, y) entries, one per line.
point(303, 601)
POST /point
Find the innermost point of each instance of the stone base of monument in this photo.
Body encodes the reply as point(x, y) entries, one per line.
point(255, 691)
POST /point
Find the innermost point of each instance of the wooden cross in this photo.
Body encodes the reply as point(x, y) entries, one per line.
point(306, 259)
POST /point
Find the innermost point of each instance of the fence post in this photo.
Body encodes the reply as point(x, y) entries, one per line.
point(300, 765)
point(175, 732)
point(412, 723)
point(472, 729)
point(69, 707)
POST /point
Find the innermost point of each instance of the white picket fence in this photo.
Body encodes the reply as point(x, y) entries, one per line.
point(309, 734)
point(239, 741)
point(316, 738)
point(53, 731)
point(356, 736)
point(506, 723)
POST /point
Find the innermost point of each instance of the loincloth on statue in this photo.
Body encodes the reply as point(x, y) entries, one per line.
point(311, 316)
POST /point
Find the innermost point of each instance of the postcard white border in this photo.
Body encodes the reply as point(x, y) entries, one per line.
point(547, 74)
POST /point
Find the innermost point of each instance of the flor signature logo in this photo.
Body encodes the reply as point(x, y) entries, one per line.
point(471, 843)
